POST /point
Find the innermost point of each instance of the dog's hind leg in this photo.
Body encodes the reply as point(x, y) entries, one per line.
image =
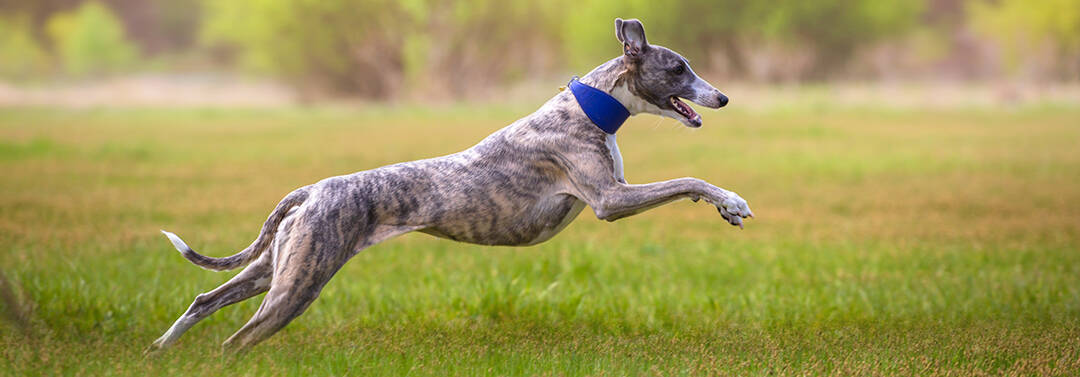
point(304, 266)
point(253, 280)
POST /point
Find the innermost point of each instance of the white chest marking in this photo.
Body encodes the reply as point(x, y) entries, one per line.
point(616, 157)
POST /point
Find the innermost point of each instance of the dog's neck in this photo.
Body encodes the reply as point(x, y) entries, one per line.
point(606, 78)
point(573, 119)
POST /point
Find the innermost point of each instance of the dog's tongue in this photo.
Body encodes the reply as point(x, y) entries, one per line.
point(686, 109)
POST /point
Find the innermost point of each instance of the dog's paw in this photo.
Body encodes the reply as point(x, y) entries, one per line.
point(152, 350)
point(733, 208)
point(155, 348)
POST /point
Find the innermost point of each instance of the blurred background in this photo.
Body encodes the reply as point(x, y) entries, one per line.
point(273, 52)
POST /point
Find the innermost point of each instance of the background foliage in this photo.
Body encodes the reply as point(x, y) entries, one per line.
point(90, 40)
point(382, 48)
point(1029, 28)
point(20, 55)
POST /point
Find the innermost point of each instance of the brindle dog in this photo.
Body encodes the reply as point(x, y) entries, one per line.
point(519, 186)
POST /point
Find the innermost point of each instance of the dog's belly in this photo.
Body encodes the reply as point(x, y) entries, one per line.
point(564, 219)
point(528, 225)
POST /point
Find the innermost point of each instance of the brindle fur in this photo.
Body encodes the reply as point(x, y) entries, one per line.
point(519, 186)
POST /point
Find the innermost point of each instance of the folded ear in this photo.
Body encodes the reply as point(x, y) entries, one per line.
point(632, 35)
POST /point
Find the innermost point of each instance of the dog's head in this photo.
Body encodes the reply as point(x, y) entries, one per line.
point(656, 79)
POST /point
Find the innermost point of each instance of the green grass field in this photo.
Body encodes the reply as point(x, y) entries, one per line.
point(887, 242)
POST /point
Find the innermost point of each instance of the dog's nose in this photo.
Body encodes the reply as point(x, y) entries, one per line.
point(723, 100)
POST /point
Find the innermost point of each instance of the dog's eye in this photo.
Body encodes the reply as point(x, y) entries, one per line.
point(678, 70)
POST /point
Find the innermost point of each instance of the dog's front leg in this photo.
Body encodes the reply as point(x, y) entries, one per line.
point(620, 200)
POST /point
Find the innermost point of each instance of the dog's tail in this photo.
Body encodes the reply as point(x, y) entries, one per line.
point(251, 252)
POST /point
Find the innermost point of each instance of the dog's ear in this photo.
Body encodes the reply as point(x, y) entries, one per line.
point(632, 35)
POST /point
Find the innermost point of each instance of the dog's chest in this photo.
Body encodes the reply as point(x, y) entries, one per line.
point(616, 157)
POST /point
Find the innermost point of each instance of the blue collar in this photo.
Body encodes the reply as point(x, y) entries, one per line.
point(602, 109)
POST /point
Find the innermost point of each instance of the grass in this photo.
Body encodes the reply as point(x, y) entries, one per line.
point(886, 242)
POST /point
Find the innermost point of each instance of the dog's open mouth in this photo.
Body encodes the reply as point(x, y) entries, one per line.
point(683, 109)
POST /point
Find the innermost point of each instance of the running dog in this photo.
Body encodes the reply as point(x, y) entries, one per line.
point(519, 186)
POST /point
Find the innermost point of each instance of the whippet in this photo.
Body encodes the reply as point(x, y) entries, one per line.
point(519, 186)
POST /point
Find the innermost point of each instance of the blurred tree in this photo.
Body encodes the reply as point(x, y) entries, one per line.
point(474, 44)
point(38, 13)
point(370, 47)
point(21, 57)
point(833, 29)
point(90, 40)
point(159, 26)
point(1023, 26)
point(340, 46)
point(156, 26)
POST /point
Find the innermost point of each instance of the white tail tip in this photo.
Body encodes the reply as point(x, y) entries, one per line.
point(176, 241)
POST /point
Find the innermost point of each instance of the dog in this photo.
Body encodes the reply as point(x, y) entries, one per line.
point(519, 186)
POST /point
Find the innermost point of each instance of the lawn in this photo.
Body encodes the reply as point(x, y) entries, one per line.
point(931, 242)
